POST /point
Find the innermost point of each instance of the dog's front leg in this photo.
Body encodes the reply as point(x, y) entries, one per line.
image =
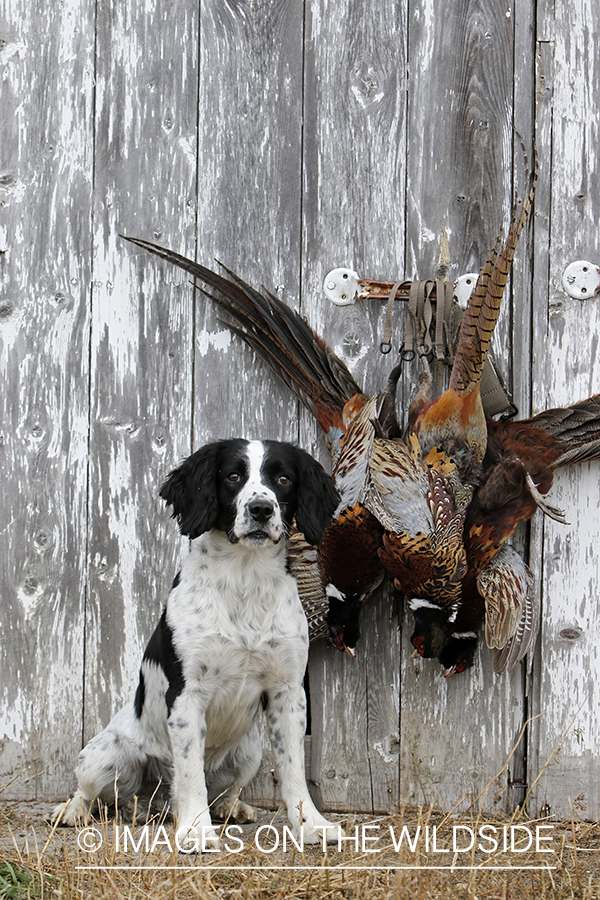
point(286, 716)
point(187, 728)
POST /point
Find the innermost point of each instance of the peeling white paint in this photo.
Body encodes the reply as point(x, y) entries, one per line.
point(189, 148)
point(366, 100)
point(12, 50)
point(13, 721)
point(216, 340)
point(382, 750)
point(29, 600)
point(15, 189)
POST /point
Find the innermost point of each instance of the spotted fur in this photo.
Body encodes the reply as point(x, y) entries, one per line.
point(232, 635)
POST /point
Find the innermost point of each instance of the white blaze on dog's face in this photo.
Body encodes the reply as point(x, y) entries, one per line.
point(259, 482)
point(258, 515)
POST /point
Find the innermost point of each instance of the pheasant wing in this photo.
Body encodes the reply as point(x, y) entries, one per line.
point(302, 564)
point(423, 548)
point(511, 615)
point(348, 554)
point(398, 485)
point(352, 468)
point(577, 427)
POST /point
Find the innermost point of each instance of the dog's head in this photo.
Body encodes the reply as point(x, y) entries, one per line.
point(251, 490)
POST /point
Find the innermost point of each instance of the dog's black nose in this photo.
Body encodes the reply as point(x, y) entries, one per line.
point(261, 509)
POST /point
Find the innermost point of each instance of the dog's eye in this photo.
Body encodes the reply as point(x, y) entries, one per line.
point(234, 477)
point(283, 479)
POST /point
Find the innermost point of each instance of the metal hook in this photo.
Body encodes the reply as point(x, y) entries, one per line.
point(424, 352)
point(406, 355)
point(512, 411)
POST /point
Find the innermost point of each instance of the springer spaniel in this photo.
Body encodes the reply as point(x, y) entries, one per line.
point(232, 636)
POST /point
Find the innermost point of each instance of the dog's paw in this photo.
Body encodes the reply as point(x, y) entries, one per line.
point(197, 839)
point(70, 813)
point(240, 812)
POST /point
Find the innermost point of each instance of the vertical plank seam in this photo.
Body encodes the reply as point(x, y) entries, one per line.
point(399, 613)
point(513, 194)
point(534, 686)
point(299, 413)
point(368, 722)
point(402, 611)
point(529, 249)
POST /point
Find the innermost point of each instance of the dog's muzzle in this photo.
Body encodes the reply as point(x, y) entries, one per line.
point(260, 522)
point(261, 509)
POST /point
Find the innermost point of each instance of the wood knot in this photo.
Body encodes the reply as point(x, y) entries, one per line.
point(571, 633)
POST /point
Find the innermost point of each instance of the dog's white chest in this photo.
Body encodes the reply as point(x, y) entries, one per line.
point(238, 612)
point(238, 630)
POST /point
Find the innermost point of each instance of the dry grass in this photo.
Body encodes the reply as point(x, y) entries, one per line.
point(431, 861)
point(38, 861)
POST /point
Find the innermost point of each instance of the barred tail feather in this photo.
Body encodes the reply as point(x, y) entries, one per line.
point(484, 304)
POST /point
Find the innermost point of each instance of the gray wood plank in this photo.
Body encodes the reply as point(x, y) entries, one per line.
point(354, 169)
point(353, 214)
point(142, 333)
point(45, 217)
point(381, 649)
point(339, 773)
point(249, 201)
point(457, 733)
point(459, 132)
point(566, 369)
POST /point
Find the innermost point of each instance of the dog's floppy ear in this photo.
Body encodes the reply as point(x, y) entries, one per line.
point(318, 497)
point(192, 491)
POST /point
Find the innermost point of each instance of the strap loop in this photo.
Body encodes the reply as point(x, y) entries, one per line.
point(386, 343)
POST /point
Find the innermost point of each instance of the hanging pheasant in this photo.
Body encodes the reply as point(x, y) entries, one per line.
point(448, 438)
point(518, 471)
point(432, 492)
point(362, 435)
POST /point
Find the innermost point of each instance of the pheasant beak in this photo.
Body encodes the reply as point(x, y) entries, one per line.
point(350, 651)
point(449, 672)
point(415, 655)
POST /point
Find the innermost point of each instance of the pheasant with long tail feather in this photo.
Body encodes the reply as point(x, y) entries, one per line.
point(362, 434)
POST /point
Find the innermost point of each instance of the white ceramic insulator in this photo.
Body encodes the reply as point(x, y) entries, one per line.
point(581, 280)
point(341, 286)
point(463, 288)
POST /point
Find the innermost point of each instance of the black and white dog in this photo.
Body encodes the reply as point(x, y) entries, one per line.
point(232, 635)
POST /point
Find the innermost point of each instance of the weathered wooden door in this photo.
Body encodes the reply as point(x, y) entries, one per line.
point(284, 139)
